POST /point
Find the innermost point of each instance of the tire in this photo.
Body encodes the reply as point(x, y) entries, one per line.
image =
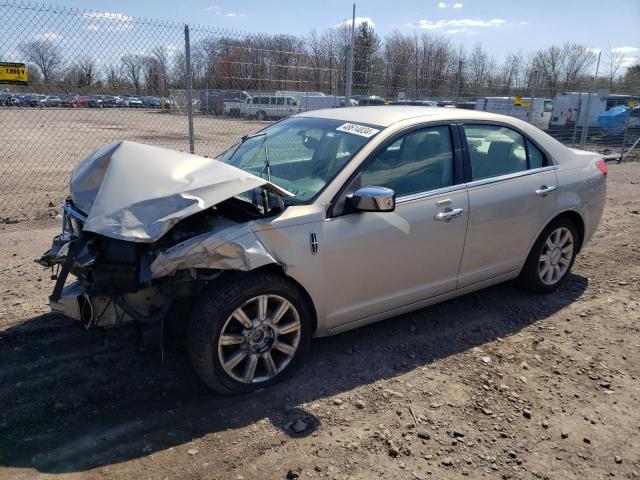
point(533, 276)
point(260, 116)
point(214, 314)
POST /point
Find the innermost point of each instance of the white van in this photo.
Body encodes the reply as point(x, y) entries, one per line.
point(540, 109)
point(263, 107)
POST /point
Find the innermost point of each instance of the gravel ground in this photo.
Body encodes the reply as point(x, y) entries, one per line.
point(40, 147)
point(496, 384)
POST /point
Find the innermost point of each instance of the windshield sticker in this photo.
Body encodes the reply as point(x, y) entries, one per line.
point(356, 129)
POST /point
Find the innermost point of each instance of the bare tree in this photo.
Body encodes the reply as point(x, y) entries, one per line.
point(615, 59)
point(46, 56)
point(132, 66)
point(86, 71)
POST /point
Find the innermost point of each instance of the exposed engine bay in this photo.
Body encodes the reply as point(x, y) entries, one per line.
point(138, 275)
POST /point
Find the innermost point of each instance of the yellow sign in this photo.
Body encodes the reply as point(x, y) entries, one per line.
point(13, 73)
point(517, 101)
point(524, 104)
point(632, 103)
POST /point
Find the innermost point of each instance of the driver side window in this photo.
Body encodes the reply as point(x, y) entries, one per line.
point(419, 161)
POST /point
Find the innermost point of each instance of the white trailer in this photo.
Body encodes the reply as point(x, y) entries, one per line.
point(570, 108)
point(519, 107)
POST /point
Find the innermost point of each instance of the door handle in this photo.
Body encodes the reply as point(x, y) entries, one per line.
point(544, 191)
point(448, 215)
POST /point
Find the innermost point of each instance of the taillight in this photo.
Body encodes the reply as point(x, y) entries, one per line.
point(602, 167)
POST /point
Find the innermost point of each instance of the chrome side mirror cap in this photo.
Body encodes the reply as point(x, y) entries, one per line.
point(373, 199)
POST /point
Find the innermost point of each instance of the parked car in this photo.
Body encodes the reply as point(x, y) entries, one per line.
point(423, 103)
point(67, 99)
point(134, 102)
point(101, 101)
point(53, 101)
point(368, 100)
point(79, 101)
point(94, 101)
point(318, 224)
point(263, 107)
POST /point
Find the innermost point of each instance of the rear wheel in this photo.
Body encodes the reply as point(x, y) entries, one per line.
point(551, 257)
point(249, 332)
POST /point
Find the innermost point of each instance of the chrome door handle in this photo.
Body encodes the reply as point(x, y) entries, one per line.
point(448, 215)
point(544, 191)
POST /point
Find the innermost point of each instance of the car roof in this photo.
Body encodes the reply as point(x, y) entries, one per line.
point(386, 115)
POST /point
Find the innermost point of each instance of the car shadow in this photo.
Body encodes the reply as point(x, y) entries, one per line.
point(73, 400)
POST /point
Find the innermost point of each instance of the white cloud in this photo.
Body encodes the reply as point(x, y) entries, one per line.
point(463, 23)
point(625, 49)
point(458, 5)
point(51, 36)
point(110, 16)
point(220, 12)
point(108, 21)
point(442, 5)
point(524, 23)
point(359, 20)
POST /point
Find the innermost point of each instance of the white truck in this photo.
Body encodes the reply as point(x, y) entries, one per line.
point(519, 107)
point(570, 108)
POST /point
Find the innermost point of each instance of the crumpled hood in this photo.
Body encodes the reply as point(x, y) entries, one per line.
point(136, 192)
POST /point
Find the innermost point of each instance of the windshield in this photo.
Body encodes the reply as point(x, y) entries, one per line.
point(304, 154)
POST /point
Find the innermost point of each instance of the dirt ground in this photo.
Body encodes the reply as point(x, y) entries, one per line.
point(40, 147)
point(496, 384)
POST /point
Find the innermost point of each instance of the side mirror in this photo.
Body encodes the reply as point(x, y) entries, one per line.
point(373, 199)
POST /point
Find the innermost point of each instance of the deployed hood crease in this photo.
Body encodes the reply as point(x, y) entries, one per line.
point(136, 192)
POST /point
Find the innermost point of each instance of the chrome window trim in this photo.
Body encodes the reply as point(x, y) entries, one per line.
point(430, 193)
point(509, 176)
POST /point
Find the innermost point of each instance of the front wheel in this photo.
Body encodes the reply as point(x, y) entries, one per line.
point(250, 331)
point(551, 257)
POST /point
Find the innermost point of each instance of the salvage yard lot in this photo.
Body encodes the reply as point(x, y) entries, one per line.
point(34, 174)
point(495, 384)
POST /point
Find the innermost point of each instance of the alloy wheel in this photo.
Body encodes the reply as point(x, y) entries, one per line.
point(259, 339)
point(556, 255)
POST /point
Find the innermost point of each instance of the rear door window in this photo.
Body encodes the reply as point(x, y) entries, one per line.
point(494, 151)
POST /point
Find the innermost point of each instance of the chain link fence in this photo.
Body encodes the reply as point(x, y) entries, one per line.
point(97, 77)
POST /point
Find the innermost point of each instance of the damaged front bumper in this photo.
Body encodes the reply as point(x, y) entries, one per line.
point(113, 283)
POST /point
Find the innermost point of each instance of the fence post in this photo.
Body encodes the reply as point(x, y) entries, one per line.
point(457, 88)
point(533, 95)
point(349, 72)
point(187, 51)
point(585, 127)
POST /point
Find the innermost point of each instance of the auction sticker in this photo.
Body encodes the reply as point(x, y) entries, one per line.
point(356, 129)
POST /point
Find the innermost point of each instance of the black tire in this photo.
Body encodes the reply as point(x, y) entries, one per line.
point(218, 301)
point(529, 276)
point(260, 116)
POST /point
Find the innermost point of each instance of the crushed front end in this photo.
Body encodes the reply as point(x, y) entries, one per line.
point(145, 228)
point(114, 284)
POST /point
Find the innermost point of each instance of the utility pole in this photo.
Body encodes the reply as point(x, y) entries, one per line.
point(349, 73)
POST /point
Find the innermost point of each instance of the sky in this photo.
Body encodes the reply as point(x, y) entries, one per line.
point(502, 26)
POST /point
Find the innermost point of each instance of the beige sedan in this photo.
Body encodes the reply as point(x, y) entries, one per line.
point(320, 223)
